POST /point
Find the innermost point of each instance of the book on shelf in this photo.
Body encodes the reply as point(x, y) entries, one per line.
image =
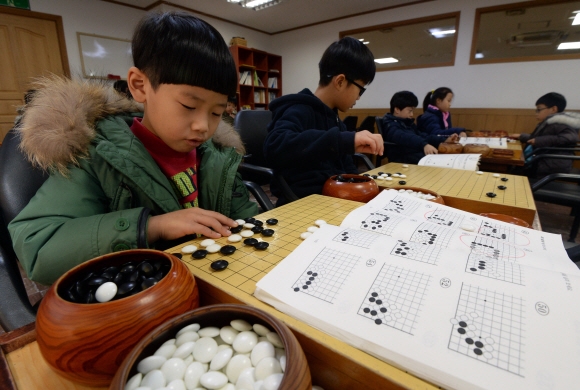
point(468, 162)
point(272, 82)
point(257, 81)
point(259, 97)
point(246, 77)
point(274, 70)
point(271, 96)
point(457, 299)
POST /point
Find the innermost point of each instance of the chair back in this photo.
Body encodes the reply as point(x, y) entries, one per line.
point(19, 181)
point(367, 124)
point(350, 122)
point(252, 126)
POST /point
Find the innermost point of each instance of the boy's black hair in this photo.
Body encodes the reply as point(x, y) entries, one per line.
point(178, 48)
point(349, 57)
point(233, 99)
point(432, 96)
point(403, 99)
point(553, 99)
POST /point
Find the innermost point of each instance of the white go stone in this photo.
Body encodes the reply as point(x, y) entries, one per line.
point(150, 363)
point(221, 347)
point(258, 385)
point(388, 178)
point(188, 328)
point(213, 248)
point(305, 235)
point(380, 178)
point(262, 338)
point(320, 222)
point(280, 352)
point(402, 176)
point(245, 341)
point(210, 331)
point(205, 349)
point(188, 249)
point(188, 360)
point(192, 374)
point(186, 337)
point(134, 382)
point(246, 233)
point(267, 366)
point(312, 229)
point(275, 339)
point(272, 382)
point(213, 380)
point(184, 350)
point(496, 175)
point(246, 379)
point(228, 334)
point(235, 238)
point(317, 388)
point(241, 325)
point(262, 350)
point(405, 166)
point(479, 172)
point(228, 386)
point(169, 342)
point(468, 227)
point(261, 330)
point(154, 379)
point(283, 362)
point(249, 225)
point(240, 222)
point(207, 242)
point(177, 384)
point(106, 292)
point(236, 365)
point(172, 369)
point(166, 351)
point(221, 359)
point(395, 175)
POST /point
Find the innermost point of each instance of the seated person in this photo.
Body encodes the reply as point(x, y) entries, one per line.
point(230, 113)
point(436, 119)
point(399, 127)
point(121, 179)
point(307, 142)
point(556, 129)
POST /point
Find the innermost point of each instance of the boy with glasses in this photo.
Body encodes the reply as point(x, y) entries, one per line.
point(556, 129)
point(307, 142)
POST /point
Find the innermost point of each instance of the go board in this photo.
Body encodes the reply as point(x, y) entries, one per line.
point(467, 190)
point(333, 363)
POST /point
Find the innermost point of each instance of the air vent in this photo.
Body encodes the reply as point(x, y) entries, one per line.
point(538, 38)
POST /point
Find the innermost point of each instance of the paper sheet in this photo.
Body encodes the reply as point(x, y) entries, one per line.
point(494, 306)
point(492, 142)
point(468, 162)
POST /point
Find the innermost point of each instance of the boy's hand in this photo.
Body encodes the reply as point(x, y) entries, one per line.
point(181, 223)
point(531, 141)
point(453, 138)
point(430, 149)
point(463, 134)
point(514, 135)
point(367, 142)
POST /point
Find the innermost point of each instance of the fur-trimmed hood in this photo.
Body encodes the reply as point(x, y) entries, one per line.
point(58, 125)
point(570, 119)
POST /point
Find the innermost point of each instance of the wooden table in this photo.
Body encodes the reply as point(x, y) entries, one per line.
point(466, 190)
point(503, 164)
point(333, 363)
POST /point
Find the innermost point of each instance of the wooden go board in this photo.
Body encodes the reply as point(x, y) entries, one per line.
point(466, 190)
point(333, 363)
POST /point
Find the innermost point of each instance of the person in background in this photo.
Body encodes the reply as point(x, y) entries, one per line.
point(436, 119)
point(556, 128)
point(122, 87)
point(125, 179)
point(307, 142)
point(399, 127)
point(230, 112)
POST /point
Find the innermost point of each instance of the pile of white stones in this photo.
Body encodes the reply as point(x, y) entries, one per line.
point(240, 356)
point(418, 194)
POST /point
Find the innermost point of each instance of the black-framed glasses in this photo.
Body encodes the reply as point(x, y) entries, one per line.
point(360, 87)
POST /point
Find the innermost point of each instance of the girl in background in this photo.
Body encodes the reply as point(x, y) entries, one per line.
point(436, 119)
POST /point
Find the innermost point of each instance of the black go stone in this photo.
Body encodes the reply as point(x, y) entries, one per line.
point(366, 174)
point(178, 255)
point(148, 282)
point(257, 229)
point(227, 249)
point(381, 173)
point(199, 254)
point(501, 187)
point(250, 241)
point(219, 265)
point(273, 221)
point(125, 289)
point(268, 232)
point(250, 220)
point(236, 229)
point(261, 245)
point(402, 182)
point(258, 222)
point(374, 176)
point(504, 179)
point(491, 194)
point(128, 269)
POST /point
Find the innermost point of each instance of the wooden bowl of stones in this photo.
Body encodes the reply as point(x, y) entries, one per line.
point(352, 187)
point(421, 193)
point(506, 218)
point(217, 347)
point(94, 314)
point(450, 148)
point(482, 149)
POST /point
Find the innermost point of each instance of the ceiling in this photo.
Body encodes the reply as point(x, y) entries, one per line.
point(288, 15)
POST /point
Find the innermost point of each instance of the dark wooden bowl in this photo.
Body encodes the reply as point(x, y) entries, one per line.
point(363, 191)
point(506, 218)
point(86, 343)
point(499, 133)
point(450, 148)
point(482, 149)
point(481, 133)
point(438, 198)
point(296, 374)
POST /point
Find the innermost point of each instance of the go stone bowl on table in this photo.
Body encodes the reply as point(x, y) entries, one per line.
point(86, 342)
point(351, 187)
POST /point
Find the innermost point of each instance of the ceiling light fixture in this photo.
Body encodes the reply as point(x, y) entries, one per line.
point(441, 33)
point(478, 55)
point(387, 60)
point(569, 45)
point(576, 18)
point(366, 42)
point(256, 5)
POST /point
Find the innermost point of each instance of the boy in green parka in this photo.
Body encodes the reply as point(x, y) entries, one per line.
point(121, 179)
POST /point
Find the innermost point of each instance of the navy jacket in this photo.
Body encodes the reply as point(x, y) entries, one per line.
point(431, 122)
point(410, 141)
point(307, 143)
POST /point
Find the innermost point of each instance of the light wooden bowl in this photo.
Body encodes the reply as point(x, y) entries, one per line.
point(450, 148)
point(438, 198)
point(506, 218)
point(86, 343)
point(363, 191)
point(296, 374)
point(482, 149)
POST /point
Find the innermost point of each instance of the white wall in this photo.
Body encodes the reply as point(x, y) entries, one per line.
point(511, 85)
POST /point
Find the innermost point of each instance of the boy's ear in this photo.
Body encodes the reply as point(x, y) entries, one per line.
point(339, 82)
point(137, 82)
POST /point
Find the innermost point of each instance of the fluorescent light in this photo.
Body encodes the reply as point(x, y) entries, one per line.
point(366, 42)
point(576, 19)
point(387, 60)
point(234, 1)
point(439, 33)
point(569, 45)
point(362, 39)
point(255, 3)
point(478, 55)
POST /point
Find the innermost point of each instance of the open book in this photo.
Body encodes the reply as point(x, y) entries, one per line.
point(468, 162)
point(460, 300)
point(492, 142)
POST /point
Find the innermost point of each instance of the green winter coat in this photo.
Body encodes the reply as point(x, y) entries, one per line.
point(100, 201)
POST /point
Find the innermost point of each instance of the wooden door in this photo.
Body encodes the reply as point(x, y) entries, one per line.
point(31, 44)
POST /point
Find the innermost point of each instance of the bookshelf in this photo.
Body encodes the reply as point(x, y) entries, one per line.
point(260, 77)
